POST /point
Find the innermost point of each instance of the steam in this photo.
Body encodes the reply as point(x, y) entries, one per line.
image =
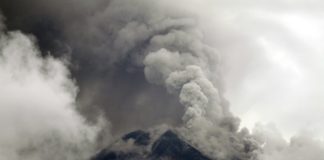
point(37, 104)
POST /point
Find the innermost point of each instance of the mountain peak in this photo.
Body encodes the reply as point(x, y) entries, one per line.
point(167, 146)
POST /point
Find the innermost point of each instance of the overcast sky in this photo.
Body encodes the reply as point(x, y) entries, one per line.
point(273, 61)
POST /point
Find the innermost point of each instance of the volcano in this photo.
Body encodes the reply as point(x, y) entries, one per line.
point(140, 145)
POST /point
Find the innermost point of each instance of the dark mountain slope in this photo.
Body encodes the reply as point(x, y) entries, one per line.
point(168, 146)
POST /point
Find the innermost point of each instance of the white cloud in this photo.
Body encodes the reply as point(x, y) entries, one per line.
point(37, 118)
point(272, 53)
point(302, 146)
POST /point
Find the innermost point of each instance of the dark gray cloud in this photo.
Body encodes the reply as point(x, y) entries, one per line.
point(109, 81)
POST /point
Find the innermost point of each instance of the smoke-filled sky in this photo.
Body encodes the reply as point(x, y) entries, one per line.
point(105, 67)
point(274, 61)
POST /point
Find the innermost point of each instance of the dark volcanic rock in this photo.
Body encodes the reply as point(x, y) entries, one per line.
point(140, 137)
point(104, 155)
point(168, 146)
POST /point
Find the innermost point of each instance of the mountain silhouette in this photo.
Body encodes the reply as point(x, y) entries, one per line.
point(168, 146)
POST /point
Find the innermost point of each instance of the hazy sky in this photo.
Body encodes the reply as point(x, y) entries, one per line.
point(273, 61)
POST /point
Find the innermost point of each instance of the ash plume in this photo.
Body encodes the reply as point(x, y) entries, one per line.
point(142, 63)
point(136, 64)
point(169, 46)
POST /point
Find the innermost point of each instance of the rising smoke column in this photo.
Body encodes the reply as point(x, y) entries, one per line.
point(208, 124)
point(169, 46)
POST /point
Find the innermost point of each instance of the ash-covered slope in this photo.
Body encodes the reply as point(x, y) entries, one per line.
point(140, 145)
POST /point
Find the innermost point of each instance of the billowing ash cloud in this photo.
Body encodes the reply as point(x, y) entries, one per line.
point(168, 45)
point(142, 63)
point(37, 116)
point(87, 34)
point(137, 63)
